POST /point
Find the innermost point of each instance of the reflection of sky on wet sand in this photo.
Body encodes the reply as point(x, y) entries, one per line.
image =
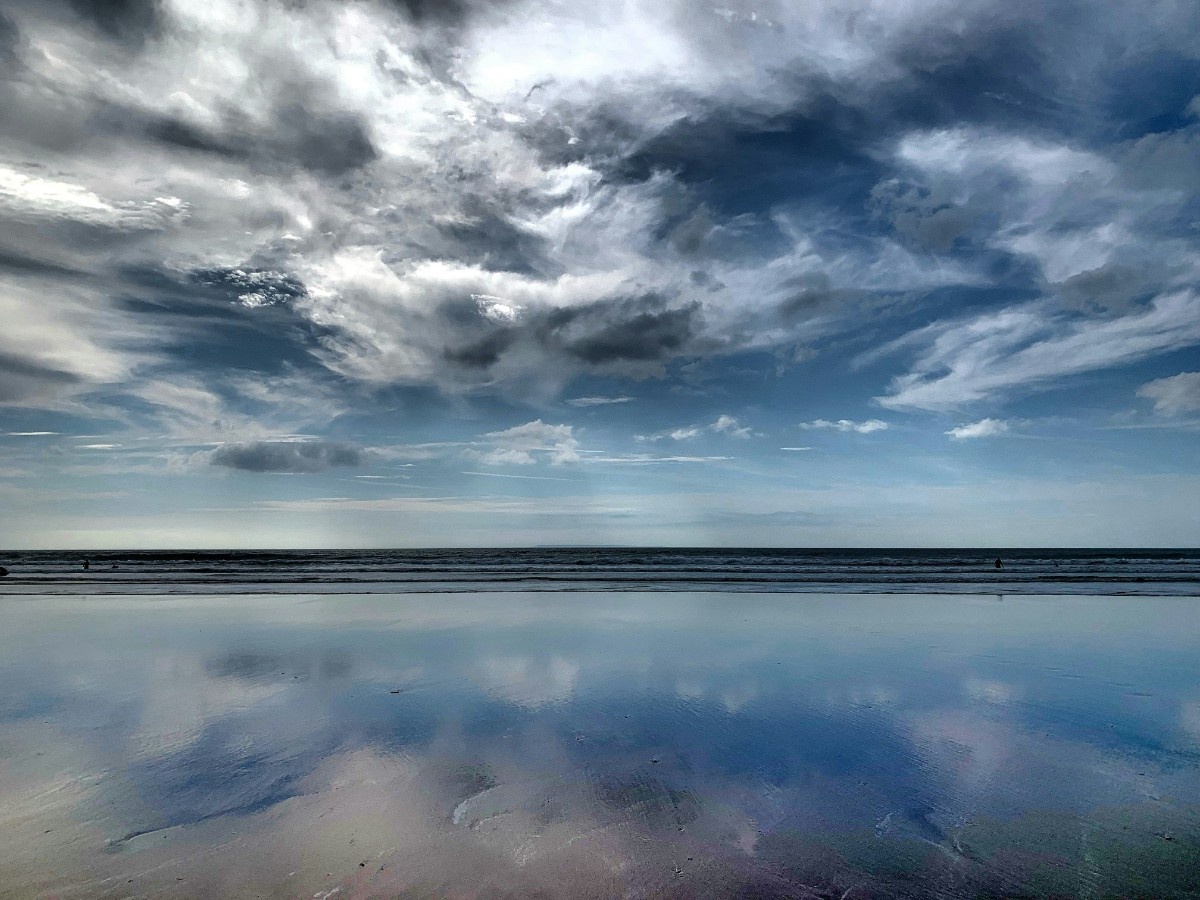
point(597, 745)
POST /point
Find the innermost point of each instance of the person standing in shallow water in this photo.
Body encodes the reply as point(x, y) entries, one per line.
point(999, 565)
point(86, 565)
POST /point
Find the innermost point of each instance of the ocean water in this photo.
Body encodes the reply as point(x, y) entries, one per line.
point(190, 738)
point(1094, 571)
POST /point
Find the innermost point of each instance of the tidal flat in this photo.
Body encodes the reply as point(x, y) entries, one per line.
point(596, 744)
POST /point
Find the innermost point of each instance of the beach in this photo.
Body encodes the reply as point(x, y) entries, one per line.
point(679, 743)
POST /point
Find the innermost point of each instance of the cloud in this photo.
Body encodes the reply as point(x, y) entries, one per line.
point(523, 477)
point(981, 429)
point(1174, 395)
point(525, 444)
point(647, 459)
point(443, 198)
point(528, 682)
point(846, 425)
point(253, 287)
point(296, 457)
point(35, 200)
point(729, 425)
point(724, 424)
point(451, 196)
point(598, 401)
point(1025, 348)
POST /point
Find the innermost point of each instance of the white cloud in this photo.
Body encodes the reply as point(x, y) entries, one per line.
point(1026, 347)
point(1176, 394)
point(723, 424)
point(729, 425)
point(496, 309)
point(526, 444)
point(981, 429)
point(31, 198)
point(846, 425)
point(1066, 209)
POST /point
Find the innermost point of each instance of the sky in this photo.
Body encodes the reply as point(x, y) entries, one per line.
point(305, 273)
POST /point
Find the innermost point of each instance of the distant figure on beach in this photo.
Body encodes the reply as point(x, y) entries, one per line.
point(114, 565)
point(86, 565)
point(999, 565)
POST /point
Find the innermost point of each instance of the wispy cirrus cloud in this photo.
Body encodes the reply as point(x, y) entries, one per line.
point(598, 401)
point(1026, 348)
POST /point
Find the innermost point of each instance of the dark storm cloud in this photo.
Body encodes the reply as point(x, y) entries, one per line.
point(808, 293)
point(175, 132)
point(328, 142)
point(31, 265)
point(10, 40)
point(127, 20)
point(482, 353)
point(294, 457)
point(635, 329)
point(635, 334)
point(444, 12)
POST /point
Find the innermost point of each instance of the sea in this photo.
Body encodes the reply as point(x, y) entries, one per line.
point(953, 571)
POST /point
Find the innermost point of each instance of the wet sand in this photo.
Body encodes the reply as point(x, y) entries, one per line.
point(599, 745)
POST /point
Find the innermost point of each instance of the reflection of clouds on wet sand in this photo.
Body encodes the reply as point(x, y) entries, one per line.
point(639, 743)
point(368, 823)
point(527, 681)
point(1189, 718)
point(983, 690)
point(182, 697)
point(732, 697)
